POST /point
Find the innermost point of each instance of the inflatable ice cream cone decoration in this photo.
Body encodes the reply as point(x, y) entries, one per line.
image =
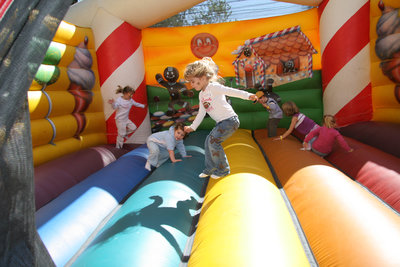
point(82, 81)
point(388, 44)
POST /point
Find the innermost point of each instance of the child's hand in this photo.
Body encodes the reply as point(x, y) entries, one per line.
point(266, 106)
point(253, 98)
point(306, 146)
point(176, 160)
point(110, 101)
point(280, 138)
point(188, 129)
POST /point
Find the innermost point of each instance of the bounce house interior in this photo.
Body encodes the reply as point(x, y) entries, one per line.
point(69, 197)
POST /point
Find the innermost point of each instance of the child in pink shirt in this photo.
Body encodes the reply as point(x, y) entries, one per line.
point(325, 138)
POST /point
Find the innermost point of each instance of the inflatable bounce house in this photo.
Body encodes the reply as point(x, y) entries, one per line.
point(69, 197)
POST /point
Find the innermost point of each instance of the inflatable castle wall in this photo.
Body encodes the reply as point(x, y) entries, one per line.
point(279, 206)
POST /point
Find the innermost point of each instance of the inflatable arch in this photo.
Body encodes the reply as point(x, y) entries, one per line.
point(279, 206)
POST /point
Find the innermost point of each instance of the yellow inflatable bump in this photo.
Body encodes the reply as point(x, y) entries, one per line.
point(94, 58)
point(244, 155)
point(387, 115)
point(38, 105)
point(95, 122)
point(68, 56)
point(45, 153)
point(383, 96)
point(66, 126)
point(63, 103)
point(373, 38)
point(245, 222)
point(97, 103)
point(70, 34)
point(95, 139)
point(35, 86)
point(96, 86)
point(42, 154)
point(42, 132)
point(377, 77)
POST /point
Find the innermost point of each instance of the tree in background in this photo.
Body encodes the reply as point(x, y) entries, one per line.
point(210, 11)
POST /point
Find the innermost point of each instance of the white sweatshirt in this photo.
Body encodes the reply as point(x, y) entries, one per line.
point(123, 106)
point(212, 100)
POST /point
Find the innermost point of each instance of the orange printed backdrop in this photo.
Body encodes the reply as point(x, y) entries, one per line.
point(384, 102)
point(165, 47)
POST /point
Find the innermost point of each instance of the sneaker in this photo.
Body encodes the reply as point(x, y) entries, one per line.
point(203, 175)
point(215, 176)
point(147, 166)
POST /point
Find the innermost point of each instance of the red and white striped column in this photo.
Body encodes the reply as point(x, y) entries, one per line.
point(120, 62)
point(345, 48)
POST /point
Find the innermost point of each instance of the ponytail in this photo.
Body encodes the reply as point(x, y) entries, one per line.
point(126, 89)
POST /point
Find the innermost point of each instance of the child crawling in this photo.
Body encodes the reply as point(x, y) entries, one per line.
point(162, 146)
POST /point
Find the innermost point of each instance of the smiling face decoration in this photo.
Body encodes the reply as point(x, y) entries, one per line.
point(204, 45)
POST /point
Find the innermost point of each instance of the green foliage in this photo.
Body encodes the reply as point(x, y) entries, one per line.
point(175, 21)
point(210, 11)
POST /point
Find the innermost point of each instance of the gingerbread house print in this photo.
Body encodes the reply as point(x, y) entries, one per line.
point(284, 56)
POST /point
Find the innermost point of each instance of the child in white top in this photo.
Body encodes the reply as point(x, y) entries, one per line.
point(202, 75)
point(162, 146)
point(123, 105)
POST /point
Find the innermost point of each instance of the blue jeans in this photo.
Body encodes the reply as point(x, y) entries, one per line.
point(215, 158)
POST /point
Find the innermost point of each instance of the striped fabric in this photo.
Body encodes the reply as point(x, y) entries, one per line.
point(120, 62)
point(345, 47)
